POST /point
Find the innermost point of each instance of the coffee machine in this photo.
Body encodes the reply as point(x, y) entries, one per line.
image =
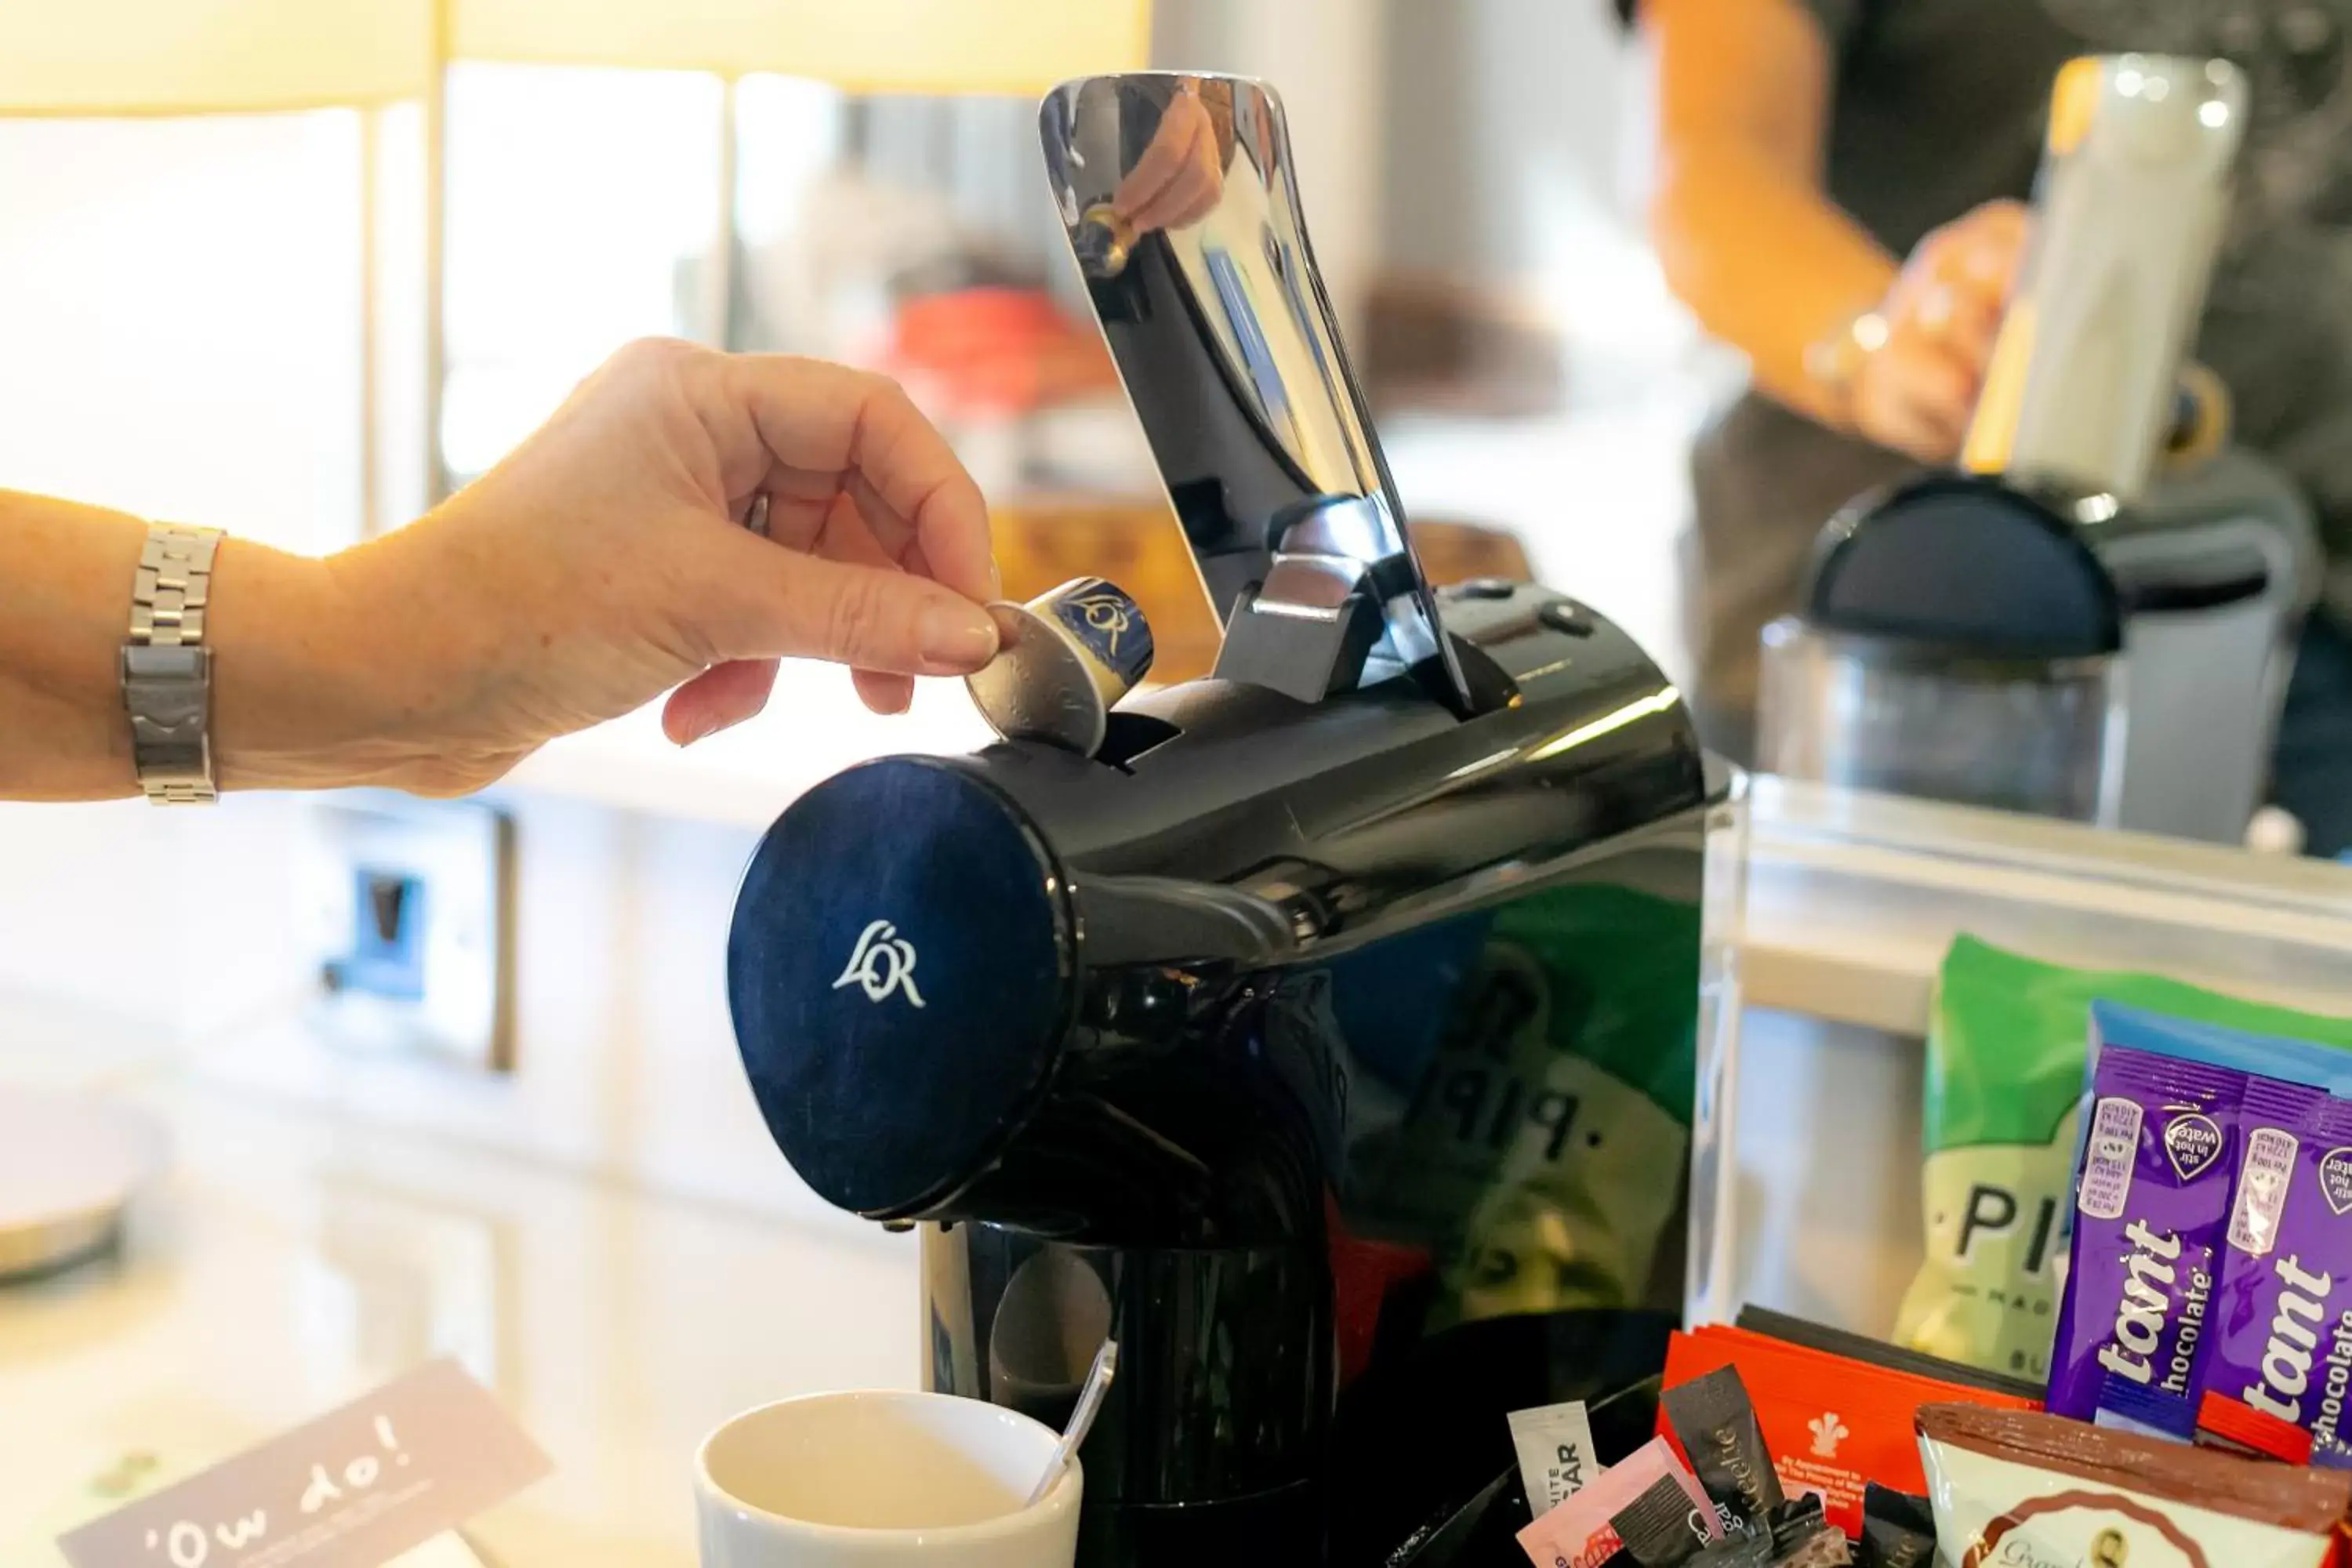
point(1340, 997)
point(2097, 617)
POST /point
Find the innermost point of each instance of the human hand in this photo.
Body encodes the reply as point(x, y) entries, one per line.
point(606, 561)
point(1916, 390)
point(1181, 175)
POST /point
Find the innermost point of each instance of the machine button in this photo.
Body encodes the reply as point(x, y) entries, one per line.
point(1563, 616)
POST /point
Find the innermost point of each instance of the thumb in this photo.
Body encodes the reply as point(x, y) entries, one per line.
point(791, 605)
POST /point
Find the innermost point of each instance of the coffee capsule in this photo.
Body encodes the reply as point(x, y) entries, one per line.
point(1103, 240)
point(1063, 660)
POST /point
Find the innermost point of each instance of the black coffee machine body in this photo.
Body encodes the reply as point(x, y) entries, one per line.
point(1339, 997)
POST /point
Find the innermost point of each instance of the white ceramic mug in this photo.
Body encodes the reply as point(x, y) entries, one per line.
point(879, 1478)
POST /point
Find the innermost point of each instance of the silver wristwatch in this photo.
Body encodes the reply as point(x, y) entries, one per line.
point(167, 675)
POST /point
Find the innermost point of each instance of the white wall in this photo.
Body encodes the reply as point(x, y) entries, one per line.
point(1505, 120)
point(1326, 59)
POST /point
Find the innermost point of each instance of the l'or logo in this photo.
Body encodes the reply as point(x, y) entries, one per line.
point(1105, 626)
point(1105, 613)
point(882, 963)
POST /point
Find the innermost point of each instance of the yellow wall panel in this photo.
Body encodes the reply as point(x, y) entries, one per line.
point(175, 56)
point(879, 45)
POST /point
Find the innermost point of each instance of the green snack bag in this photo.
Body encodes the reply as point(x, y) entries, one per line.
point(1540, 1151)
point(2005, 1053)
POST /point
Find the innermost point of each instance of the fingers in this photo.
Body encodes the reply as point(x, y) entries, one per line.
point(1171, 148)
point(726, 695)
point(768, 602)
point(828, 427)
point(1915, 396)
point(1957, 281)
point(895, 539)
point(1980, 251)
point(1943, 317)
point(1919, 432)
point(883, 693)
point(1961, 321)
point(846, 538)
point(723, 695)
point(1190, 188)
point(1998, 232)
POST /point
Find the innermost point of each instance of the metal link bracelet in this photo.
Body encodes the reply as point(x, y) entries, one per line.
point(167, 677)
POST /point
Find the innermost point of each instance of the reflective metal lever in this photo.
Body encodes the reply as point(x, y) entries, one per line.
point(1178, 198)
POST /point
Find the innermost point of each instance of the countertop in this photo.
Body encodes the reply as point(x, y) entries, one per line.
point(288, 1264)
point(291, 1261)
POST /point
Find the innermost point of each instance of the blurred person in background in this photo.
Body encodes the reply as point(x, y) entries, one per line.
point(1820, 162)
point(685, 520)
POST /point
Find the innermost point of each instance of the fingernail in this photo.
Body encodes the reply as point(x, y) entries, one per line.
point(957, 636)
point(701, 729)
point(995, 581)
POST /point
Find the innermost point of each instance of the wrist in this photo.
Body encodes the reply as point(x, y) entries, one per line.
point(64, 605)
point(319, 678)
point(280, 686)
point(417, 643)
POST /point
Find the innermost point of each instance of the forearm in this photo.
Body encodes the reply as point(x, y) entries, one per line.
point(64, 594)
point(295, 703)
point(1765, 261)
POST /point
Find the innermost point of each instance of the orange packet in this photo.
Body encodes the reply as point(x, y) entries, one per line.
point(1832, 1424)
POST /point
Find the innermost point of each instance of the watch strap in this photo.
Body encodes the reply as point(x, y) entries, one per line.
point(167, 668)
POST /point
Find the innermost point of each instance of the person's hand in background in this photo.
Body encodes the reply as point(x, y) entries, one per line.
point(1181, 175)
point(1915, 389)
point(607, 561)
point(1749, 238)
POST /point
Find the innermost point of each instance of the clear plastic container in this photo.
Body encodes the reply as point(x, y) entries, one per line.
point(1828, 912)
point(2042, 737)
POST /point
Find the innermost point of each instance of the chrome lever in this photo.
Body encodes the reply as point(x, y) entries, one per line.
point(1177, 196)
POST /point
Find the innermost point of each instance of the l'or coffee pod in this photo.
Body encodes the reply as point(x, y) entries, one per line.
point(1104, 241)
point(1063, 660)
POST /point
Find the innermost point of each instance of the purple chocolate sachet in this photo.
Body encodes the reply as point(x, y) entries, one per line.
point(2151, 1206)
point(2282, 1357)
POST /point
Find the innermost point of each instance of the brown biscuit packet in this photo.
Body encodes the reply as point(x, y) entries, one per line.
point(2014, 1485)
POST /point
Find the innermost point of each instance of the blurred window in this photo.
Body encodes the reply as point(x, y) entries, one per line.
point(582, 204)
point(180, 319)
point(181, 299)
